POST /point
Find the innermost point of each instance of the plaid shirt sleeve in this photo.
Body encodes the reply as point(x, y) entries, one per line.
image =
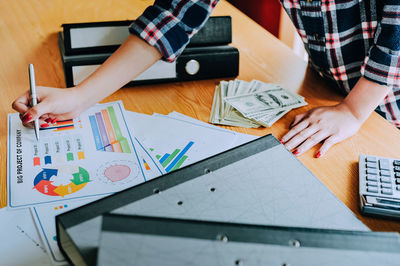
point(169, 24)
point(382, 65)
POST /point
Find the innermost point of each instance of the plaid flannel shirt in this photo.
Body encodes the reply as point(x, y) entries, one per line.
point(345, 39)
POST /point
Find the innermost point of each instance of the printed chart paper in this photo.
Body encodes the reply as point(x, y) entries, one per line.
point(45, 214)
point(20, 244)
point(176, 142)
point(93, 155)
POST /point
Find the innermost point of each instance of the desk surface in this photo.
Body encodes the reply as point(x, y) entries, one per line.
point(28, 34)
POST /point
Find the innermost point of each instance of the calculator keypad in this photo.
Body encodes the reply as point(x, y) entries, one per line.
point(379, 176)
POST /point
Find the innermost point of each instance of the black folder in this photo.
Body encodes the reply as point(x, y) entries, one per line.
point(195, 63)
point(258, 183)
point(107, 36)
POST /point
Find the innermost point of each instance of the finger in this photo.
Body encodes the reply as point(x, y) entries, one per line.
point(299, 127)
point(21, 104)
point(328, 143)
point(312, 141)
point(36, 112)
point(297, 119)
point(301, 137)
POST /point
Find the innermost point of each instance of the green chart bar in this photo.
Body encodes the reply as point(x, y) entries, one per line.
point(124, 145)
point(170, 158)
point(179, 163)
point(158, 156)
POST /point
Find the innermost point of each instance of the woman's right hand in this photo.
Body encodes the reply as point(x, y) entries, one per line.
point(53, 104)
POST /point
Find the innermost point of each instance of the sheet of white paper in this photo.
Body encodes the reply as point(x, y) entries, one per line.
point(176, 142)
point(93, 155)
point(20, 243)
point(45, 214)
point(242, 138)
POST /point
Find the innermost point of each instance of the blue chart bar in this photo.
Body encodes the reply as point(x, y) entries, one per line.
point(47, 159)
point(171, 165)
point(96, 133)
point(164, 157)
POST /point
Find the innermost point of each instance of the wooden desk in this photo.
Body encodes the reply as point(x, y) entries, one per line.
point(28, 34)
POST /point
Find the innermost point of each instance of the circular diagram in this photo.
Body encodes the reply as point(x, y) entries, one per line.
point(44, 180)
point(118, 172)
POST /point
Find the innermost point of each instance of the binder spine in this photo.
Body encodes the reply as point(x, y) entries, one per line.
point(193, 64)
point(216, 31)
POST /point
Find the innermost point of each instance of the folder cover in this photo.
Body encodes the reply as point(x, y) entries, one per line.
point(259, 182)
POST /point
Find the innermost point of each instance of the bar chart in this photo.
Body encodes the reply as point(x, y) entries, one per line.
point(107, 132)
point(174, 160)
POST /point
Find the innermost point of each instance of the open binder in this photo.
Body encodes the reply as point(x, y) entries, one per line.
point(257, 183)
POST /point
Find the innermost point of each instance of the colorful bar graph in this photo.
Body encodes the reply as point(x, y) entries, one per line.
point(61, 125)
point(146, 165)
point(179, 157)
point(107, 133)
point(170, 158)
point(96, 133)
point(102, 128)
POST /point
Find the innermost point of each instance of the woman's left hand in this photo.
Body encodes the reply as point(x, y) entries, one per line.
point(329, 124)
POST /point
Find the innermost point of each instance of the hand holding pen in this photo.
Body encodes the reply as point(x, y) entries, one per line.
point(32, 89)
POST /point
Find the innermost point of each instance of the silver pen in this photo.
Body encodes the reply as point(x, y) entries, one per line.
point(32, 86)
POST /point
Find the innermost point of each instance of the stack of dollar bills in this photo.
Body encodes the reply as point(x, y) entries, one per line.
point(251, 104)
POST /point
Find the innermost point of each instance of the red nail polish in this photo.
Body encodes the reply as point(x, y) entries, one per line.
point(45, 125)
point(318, 154)
point(48, 120)
point(295, 152)
point(54, 120)
point(282, 141)
point(26, 118)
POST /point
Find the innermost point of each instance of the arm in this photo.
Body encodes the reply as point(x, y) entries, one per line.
point(380, 72)
point(162, 31)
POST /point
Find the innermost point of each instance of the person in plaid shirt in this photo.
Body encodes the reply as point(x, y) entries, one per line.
point(354, 43)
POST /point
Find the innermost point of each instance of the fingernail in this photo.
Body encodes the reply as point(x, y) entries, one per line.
point(26, 118)
point(48, 120)
point(318, 154)
point(295, 152)
point(282, 141)
point(54, 120)
point(44, 125)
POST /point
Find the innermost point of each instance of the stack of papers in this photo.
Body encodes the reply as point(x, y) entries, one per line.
point(105, 150)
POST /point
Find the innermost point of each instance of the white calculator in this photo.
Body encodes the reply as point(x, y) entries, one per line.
point(379, 186)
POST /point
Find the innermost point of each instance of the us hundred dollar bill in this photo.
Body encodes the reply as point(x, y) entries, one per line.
point(265, 102)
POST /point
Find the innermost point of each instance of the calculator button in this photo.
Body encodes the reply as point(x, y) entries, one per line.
point(372, 184)
point(371, 165)
point(397, 180)
point(387, 191)
point(384, 164)
point(398, 187)
point(372, 189)
point(386, 180)
point(372, 171)
point(370, 159)
point(385, 173)
point(397, 175)
point(396, 168)
point(396, 162)
point(386, 185)
point(372, 178)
